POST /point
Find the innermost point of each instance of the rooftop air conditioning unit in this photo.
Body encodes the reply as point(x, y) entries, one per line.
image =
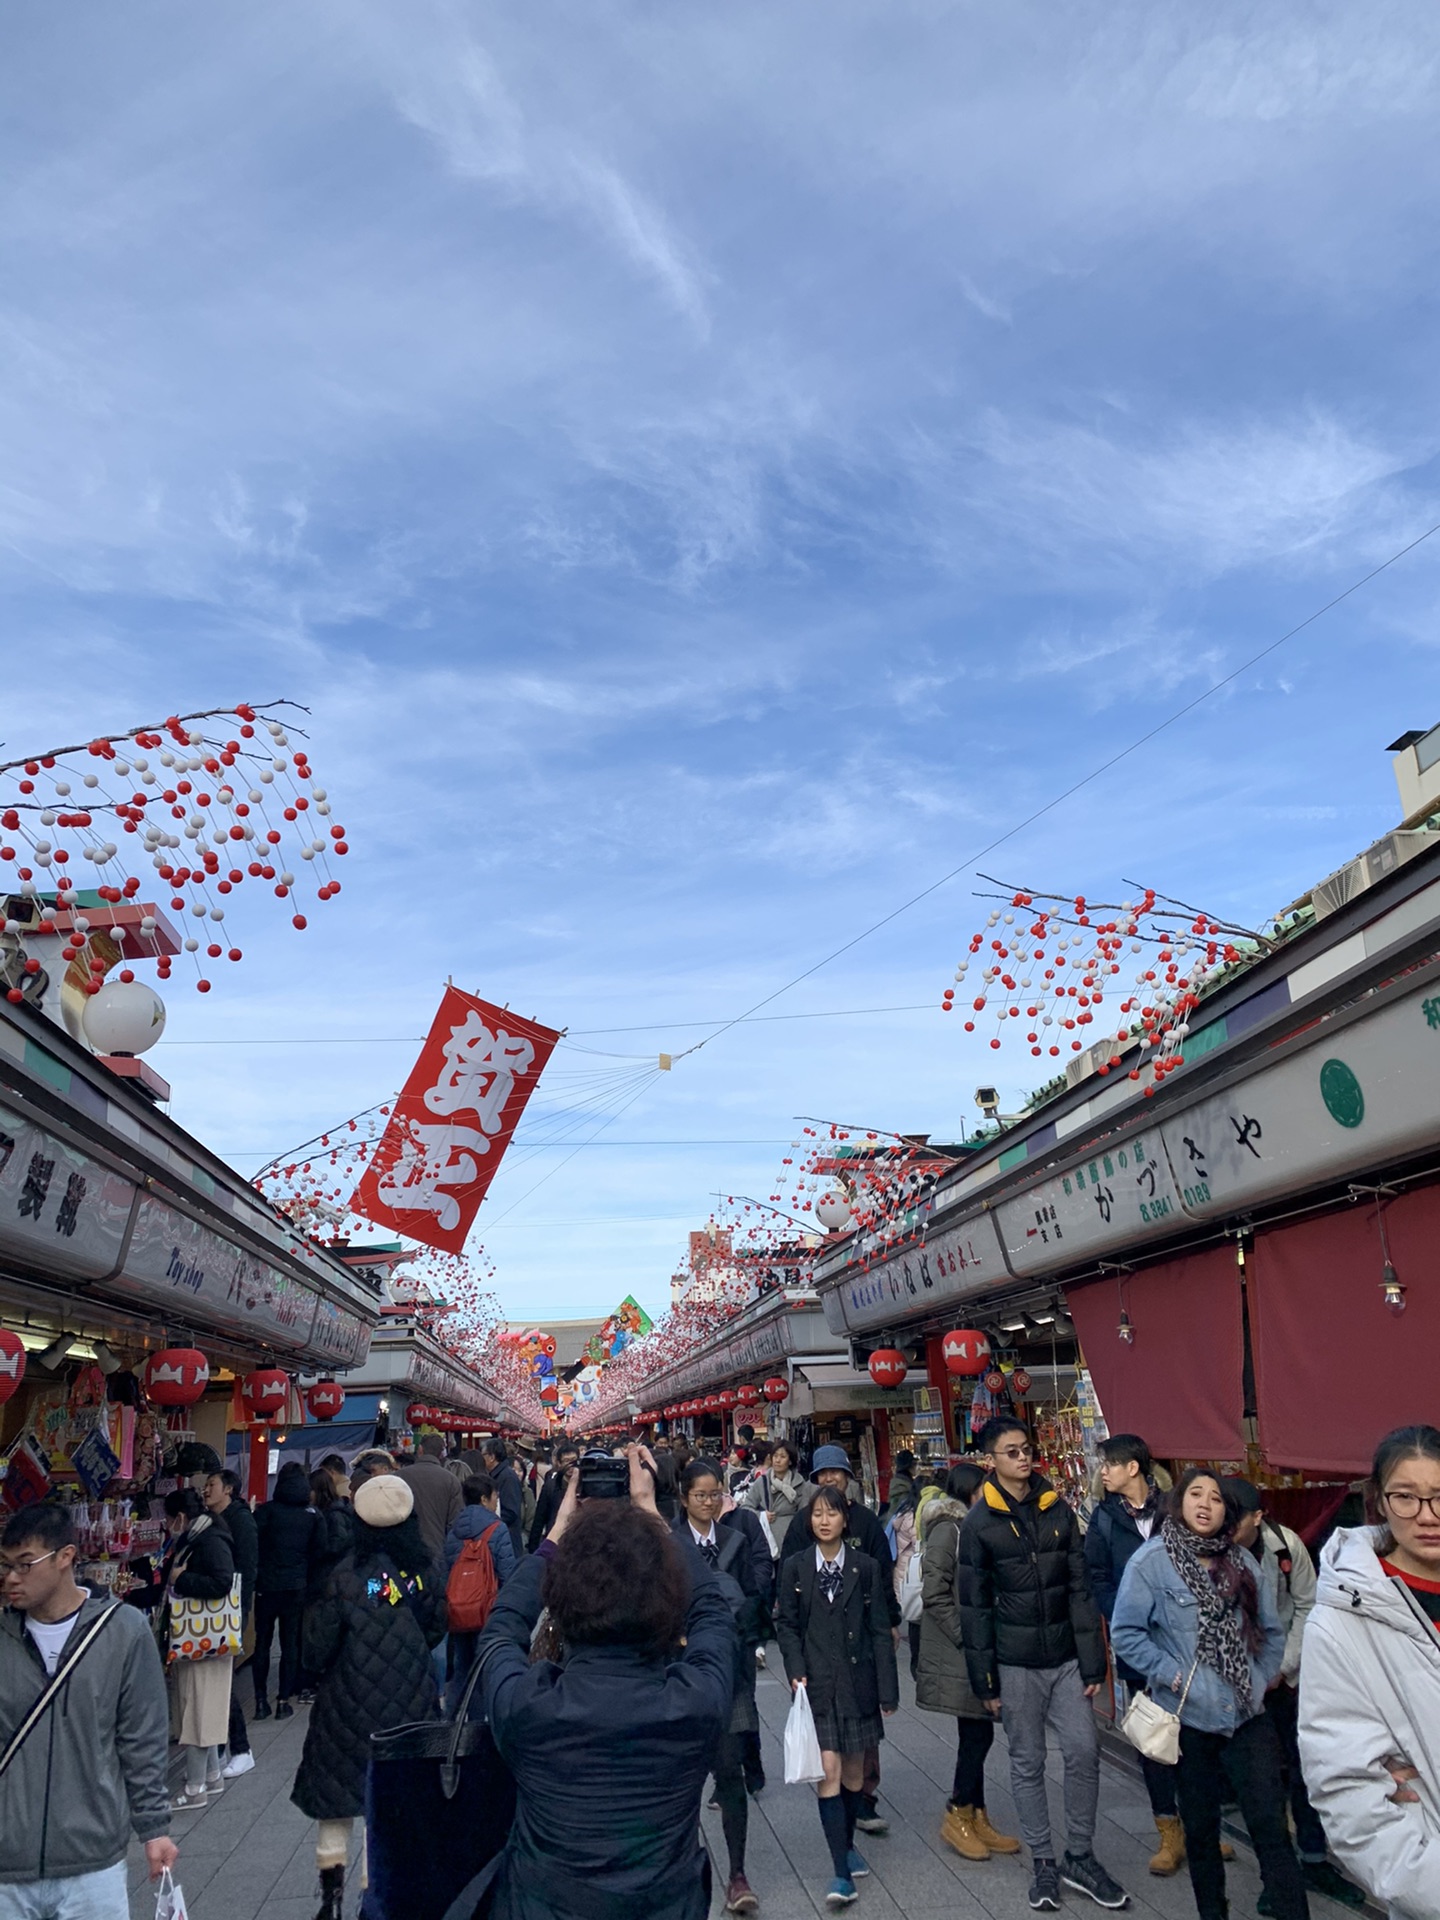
point(1334, 892)
point(1093, 1058)
point(1393, 851)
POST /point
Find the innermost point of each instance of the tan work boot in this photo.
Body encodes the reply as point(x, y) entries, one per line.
point(1171, 1856)
point(996, 1842)
point(957, 1830)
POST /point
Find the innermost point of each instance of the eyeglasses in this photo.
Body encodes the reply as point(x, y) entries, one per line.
point(715, 1493)
point(1406, 1506)
point(1014, 1453)
point(7, 1567)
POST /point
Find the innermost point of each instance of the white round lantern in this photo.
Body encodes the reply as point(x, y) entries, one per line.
point(832, 1210)
point(125, 1016)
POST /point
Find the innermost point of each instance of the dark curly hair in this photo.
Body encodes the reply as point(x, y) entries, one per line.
point(617, 1579)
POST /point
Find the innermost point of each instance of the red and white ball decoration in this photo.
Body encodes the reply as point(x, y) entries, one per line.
point(966, 1351)
point(1048, 971)
point(206, 803)
point(175, 1377)
point(888, 1366)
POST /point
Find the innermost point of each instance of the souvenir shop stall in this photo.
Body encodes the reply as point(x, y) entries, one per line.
point(149, 1299)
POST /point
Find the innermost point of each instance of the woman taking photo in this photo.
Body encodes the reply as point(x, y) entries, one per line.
point(834, 1631)
point(1370, 1683)
point(727, 1552)
point(201, 1567)
point(942, 1682)
point(610, 1747)
point(1191, 1617)
point(778, 1491)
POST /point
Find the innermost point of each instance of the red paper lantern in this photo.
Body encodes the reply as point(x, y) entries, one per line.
point(176, 1377)
point(325, 1399)
point(712, 1403)
point(728, 1397)
point(748, 1396)
point(776, 1389)
point(12, 1364)
point(416, 1414)
point(265, 1392)
point(966, 1351)
point(1020, 1381)
point(995, 1381)
point(887, 1366)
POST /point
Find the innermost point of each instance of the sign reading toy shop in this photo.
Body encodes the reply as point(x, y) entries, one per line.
point(453, 1121)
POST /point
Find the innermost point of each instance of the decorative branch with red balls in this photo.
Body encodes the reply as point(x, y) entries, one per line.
point(205, 807)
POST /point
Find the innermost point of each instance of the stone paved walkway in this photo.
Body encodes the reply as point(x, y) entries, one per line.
point(250, 1855)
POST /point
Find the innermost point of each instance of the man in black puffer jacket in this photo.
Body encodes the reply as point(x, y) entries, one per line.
point(289, 1535)
point(1036, 1655)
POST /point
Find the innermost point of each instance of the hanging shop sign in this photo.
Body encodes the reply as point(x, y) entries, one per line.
point(453, 1121)
point(958, 1261)
point(1125, 1194)
point(343, 1338)
point(1365, 1093)
point(173, 1256)
point(59, 1208)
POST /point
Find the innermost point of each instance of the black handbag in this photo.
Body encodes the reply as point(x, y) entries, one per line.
point(439, 1802)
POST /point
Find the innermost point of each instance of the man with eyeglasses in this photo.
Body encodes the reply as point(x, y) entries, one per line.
point(1036, 1654)
point(92, 1769)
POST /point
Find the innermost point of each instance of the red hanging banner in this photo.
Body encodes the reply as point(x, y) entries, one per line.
point(451, 1125)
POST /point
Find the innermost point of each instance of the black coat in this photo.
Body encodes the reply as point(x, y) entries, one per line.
point(512, 1504)
point(1111, 1543)
point(287, 1529)
point(863, 1533)
point(610, 1752)
point(846, 1652)
point(203, 1565)
point(1025, 1600)
point(547, 1505)
point(745, 1521)
point(368, 1636)
point(239, 1522)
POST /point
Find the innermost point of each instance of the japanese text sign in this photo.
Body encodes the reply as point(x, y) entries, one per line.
point(453, 1121)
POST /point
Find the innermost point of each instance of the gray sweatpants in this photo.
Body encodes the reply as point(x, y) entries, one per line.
point(1032, 1699)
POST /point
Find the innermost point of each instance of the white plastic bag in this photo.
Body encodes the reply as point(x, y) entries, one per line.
point(769, 1532)
point(912, 1588)
point(802, 1748)
point(170, 1901)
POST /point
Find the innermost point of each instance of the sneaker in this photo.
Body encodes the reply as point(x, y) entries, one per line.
point(262, 1709)
point(183, 1802)
point(1085, 1873)
point(1320, 1877)
point(1045, 1888)
point(237, 1764)
point(283, 1710)
point(857, 1866)
point(754, 1783)
point(841, 1893)
point(872, 1820)
point(738, 1896)
point(712, 1805)
point(214, 1788)
point(759, 1656)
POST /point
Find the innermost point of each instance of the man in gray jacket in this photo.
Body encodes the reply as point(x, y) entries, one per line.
point(92, 1769)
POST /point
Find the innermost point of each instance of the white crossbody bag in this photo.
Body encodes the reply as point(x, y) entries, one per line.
point(1151, 1729)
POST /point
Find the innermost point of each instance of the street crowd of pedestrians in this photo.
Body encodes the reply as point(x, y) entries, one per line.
point(591, 1635)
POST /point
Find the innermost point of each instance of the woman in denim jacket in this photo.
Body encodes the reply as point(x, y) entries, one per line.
point(1192, 1617)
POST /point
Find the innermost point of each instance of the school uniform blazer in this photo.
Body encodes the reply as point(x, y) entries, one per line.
point(845, 1652)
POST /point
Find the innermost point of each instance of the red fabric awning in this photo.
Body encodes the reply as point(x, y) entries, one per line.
point(1180, 1384)
point(1334, 1368)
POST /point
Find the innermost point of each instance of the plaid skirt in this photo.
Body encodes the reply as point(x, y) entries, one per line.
point(847, 1732)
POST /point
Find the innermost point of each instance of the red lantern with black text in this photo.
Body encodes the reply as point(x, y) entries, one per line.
point(775, 1389)
point(176, 1377)
point(325, 1399)
point(748, 1396)
point(966, 1351)
point(265, 1392)
point(12, 1364)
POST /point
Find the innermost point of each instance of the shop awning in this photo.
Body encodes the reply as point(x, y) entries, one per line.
point(1180, 1383)
point(1334, 1367)
point(826, 1387)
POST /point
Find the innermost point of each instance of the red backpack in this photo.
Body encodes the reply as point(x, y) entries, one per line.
point(471, 1589)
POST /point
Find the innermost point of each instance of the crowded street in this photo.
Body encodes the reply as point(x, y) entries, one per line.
point(719, 960)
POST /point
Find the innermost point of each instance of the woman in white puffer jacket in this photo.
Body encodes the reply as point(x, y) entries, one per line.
point(1370, 1683)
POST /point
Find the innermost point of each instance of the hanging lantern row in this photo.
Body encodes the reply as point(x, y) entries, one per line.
point(203, 811)
point(888, 1366)
point(966, 1351)
point(1051, 985)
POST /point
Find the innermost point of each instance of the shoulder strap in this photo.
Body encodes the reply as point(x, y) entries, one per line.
point(62, 1673)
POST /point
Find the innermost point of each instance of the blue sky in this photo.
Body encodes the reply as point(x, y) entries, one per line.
point(708, 470)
